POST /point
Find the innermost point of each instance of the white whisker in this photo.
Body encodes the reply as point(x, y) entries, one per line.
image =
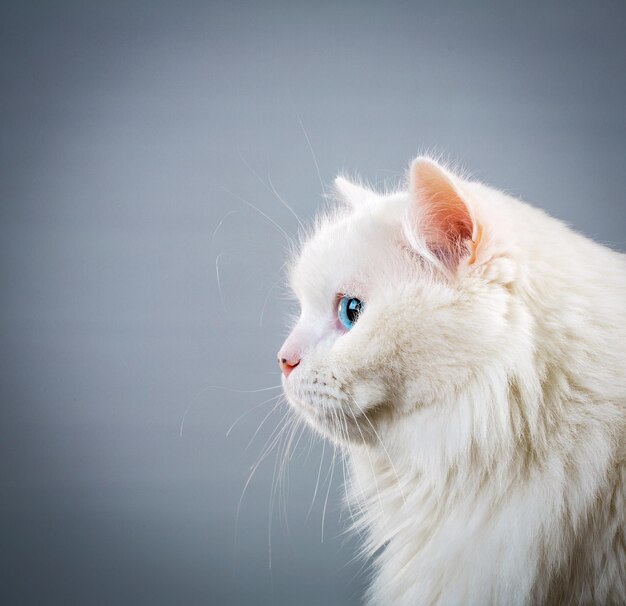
point(306, 136)
point(217, 275)
point(270, 188)
point(263, 214)
point(287, 206)
point(265, 418)
point(206, 388)
point(247, 412)
point(330, 482)
point(274, 438)
point(383, 447)
point(317, 482)
point(370, 460)
point(219, 225)
point(267, 298)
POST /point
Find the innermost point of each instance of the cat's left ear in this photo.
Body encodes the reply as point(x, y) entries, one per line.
point(352, 193)
point(441, 215)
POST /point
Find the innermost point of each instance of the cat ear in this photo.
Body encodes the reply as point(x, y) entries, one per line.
point(352, 193)
point(441, 214)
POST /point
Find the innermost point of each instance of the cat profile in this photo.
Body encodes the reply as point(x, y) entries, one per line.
point(468, 353)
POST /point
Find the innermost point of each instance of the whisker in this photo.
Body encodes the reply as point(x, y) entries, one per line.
point(287, 206)
point(247, 412)
point(263, 214)
point(205, 389)
point(217, 275)
point(319, 473)
point(306, 136)
point(270, 188)
point(283, 473)
point(369, 459)
point(393, 467)
point(275, 487)
point(235, 390)
point(265, 418)
point(332, 470)
point(344, 438)
point(230, 212)
point(274, 440)
point(349, 474)
point(267, 297)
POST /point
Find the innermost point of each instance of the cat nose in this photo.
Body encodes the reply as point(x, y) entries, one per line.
point(288, 364)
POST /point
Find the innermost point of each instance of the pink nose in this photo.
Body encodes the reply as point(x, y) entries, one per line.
point(288, 364)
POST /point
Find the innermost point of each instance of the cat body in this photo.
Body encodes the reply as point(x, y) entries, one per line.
point(480, 394)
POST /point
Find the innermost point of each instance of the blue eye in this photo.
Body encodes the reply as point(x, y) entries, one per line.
point(349, 310)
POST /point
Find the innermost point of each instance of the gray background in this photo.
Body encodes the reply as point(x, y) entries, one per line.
point(121, 125)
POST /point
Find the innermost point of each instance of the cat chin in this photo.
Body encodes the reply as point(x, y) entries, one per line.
point(340, 423)
point(323, 419)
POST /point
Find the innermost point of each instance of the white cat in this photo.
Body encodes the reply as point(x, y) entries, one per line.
point(469, 353)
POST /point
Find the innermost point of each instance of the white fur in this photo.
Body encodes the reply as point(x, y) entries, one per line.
point(482, 402)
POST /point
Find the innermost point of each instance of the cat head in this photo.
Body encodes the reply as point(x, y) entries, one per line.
point(405, 304)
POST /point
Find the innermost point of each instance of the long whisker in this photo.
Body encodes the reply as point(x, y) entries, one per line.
point(294, 450)
point(317, 482)
point(236, 390)
point(269, 442)
point(217, 275)
point(275, 481)
point(219, 225)
point(267, 298)
point(380, 501)
point(283, 476)
point(270, 188)
point(273, 441)
point(350, 475)
point(287, 206)
point(306, 136)
point(263, 214)
point(393, 467)
point(247, 412)
point(332, 470)
point(205, 389)
point(265, 418)
point(344, 438)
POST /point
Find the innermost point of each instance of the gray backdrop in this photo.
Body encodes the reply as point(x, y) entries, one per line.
point(123, 125)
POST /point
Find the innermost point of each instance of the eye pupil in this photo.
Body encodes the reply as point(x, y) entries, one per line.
point(354, 308)
point(350, 308)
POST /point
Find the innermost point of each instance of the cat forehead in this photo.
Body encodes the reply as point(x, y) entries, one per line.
point(344, 248)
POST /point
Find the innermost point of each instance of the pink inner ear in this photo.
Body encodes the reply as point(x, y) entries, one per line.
point(443, 218)
point(448, 222)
